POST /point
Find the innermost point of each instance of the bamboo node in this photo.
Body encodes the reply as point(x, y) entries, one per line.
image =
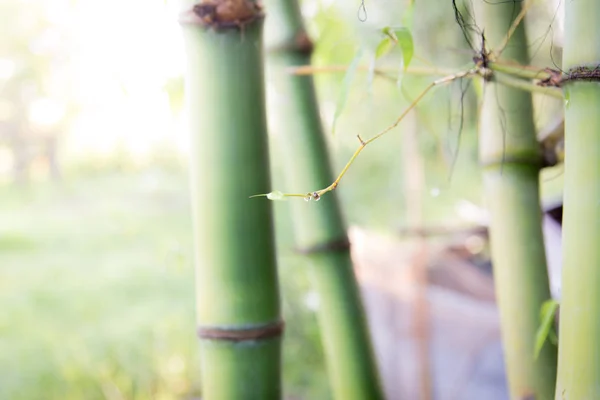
point(223, 14)
point(240, 335)
point(303, 44)
point(555, 78)
point(582, 74)
point(327, 247)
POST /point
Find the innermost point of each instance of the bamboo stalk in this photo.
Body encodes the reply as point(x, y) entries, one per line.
point(237, 294)
point(319, 228)
point(579, 358)
point(511, 161)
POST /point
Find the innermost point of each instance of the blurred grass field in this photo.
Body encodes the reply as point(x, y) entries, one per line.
point(97, 293)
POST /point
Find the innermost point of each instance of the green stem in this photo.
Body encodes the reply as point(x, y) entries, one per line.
point(527, 86)
point(511, 158)
point(237, 292)
point(579, 357)
point(519, 71)
point(319, 228)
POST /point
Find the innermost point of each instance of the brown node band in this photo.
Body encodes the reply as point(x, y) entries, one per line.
point(582, 74)
point(303, 44)
point(300, 44)
point(334, 245)
point(239, 335)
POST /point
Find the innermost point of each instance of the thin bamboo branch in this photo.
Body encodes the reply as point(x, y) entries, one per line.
point(527, 86)
point(365, 143)
point(417, 71)
point(513, 27)
point(520, 71)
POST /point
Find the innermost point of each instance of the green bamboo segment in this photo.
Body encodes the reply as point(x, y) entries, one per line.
point(579, 349)
point(511, 160)
point(319, 227)
point(238, 308)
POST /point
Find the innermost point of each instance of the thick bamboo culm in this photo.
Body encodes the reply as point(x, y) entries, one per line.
point(319, 228)
point(238, 308)
point(579, 351)
point(511, 161)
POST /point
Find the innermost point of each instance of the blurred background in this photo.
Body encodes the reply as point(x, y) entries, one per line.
point(96, 269)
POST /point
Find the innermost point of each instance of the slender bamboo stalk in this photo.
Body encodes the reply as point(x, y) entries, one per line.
point(237, 294)
point(511, 161)
point(319, 228)
point(579, 351)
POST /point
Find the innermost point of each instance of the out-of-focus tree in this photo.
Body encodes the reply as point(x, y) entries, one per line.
point(35, 95)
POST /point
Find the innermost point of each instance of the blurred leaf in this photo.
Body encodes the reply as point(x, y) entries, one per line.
point(552, 337)
point(547, 313)
point(400, 36)
point(405, 41)
point(384, 47)
point(343, 96)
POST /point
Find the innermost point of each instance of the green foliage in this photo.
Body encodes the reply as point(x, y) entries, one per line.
point(396, 36)
point(97, 290)
point(546, 329)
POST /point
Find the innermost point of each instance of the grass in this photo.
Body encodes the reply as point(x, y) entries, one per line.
point(97, 293)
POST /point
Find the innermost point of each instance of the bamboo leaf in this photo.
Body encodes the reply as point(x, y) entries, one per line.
point(405, 41)
point(343, 96)
point(384, 47)
point(400, 36)
point(274, 195)
point(547, 313)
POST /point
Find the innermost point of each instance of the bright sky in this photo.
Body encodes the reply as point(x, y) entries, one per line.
point(125, 50)
point(122, 55)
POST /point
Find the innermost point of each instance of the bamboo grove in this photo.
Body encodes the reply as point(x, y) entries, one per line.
point(238, 296)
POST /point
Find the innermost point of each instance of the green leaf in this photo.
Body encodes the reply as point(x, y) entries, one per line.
point(552, 337)
point(400, 36)
point(405, 41)
point(274, 195)
point(384, 47)
point(547, 313)
point(343, 96)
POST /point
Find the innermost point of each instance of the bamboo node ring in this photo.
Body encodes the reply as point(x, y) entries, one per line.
point(240, 335)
